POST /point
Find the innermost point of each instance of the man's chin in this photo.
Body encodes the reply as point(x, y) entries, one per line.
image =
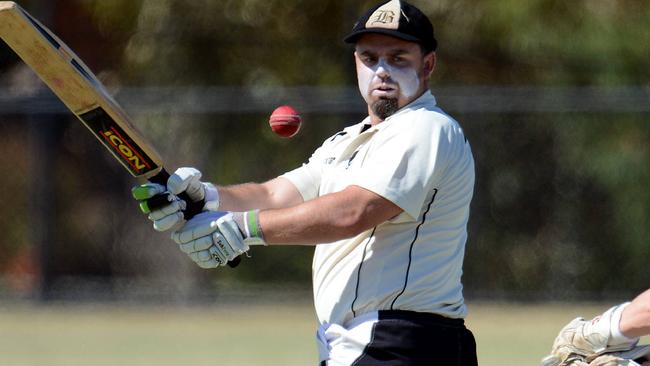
point(385, 107)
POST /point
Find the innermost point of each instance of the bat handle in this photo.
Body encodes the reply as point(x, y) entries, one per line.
point(192, 208)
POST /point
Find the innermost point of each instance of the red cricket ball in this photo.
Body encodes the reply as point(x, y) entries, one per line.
point(285, 121)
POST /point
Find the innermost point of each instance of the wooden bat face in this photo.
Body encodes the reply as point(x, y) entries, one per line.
point(78, 88)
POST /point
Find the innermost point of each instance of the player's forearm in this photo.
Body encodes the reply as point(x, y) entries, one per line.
point(303, 224)
point(635, 320)
point(276, 193)
point(326, 219)
point(242, 197)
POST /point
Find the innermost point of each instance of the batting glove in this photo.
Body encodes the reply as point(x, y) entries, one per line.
point(188, 180)
point(164, 217)
point(171, 215)
point(212, 239)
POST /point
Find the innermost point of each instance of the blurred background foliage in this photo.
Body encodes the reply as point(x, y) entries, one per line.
point(561, 208)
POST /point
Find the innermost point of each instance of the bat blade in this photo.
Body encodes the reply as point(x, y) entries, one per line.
point(78, 88)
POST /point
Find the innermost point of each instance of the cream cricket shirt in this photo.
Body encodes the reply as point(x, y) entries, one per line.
point(420, 160)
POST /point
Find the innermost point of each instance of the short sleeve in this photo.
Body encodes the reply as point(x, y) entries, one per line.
point(403, 164)
point(307, 177)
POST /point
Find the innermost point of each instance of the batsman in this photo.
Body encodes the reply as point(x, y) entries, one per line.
point(385, 202)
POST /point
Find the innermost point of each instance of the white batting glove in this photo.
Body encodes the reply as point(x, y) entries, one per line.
point(183, 180)
point(212, 239)
point(165, 217)
point(188, 180)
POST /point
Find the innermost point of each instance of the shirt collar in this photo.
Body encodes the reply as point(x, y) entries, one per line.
point(426, 99)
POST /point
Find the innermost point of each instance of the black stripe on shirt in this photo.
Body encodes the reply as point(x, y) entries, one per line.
point(356, 290)
point(417, 231)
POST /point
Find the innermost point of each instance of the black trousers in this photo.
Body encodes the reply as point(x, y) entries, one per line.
point(407, 338)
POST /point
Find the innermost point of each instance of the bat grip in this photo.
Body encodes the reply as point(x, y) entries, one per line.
point(192, 208)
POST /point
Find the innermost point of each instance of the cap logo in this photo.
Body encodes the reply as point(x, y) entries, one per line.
point(386, 16)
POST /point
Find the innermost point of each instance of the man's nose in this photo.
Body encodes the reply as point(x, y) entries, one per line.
point(382, 74)
point(382, 70)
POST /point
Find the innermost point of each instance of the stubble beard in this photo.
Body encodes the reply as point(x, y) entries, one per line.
point(385, 107)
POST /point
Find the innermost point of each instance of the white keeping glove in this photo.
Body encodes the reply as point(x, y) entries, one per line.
point(637, 356)
point(212, 239)
point(583, 339)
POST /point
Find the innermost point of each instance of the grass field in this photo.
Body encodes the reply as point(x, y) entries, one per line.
point(245, 335)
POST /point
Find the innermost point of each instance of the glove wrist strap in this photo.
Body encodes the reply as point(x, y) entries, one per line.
point(249, 225)
point(616, 337)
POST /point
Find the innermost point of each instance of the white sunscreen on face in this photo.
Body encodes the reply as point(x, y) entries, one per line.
point(406, 78)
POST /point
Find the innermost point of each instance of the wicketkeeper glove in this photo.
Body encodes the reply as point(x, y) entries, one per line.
point(637, 356)
point(582, 340)
point(212, 239)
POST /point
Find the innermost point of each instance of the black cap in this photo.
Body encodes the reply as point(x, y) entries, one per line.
point(398, 19)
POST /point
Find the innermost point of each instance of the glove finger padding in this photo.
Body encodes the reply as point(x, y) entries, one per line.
point(172, 208)
point(196, 245)
point(165, 217)
point(187, 180)
point(211, 239)
point(199, 226)
point(147, 190)
point(209, 264)
point(168, 216)
point(200, 256)
point(168, 222)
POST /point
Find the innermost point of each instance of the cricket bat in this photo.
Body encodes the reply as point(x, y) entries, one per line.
point(80, 90)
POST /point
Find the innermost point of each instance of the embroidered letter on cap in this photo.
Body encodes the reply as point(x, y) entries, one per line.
point(386, 16)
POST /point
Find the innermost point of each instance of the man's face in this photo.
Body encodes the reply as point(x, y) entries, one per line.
point(391, 72)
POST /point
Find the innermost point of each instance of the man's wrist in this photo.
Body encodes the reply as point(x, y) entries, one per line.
point(616, 336)
point(607, 326)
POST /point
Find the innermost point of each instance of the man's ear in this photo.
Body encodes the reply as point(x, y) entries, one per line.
point(429, 64)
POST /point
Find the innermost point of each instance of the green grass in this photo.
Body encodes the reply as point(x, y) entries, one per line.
point(245, 335)
point(509, 334)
